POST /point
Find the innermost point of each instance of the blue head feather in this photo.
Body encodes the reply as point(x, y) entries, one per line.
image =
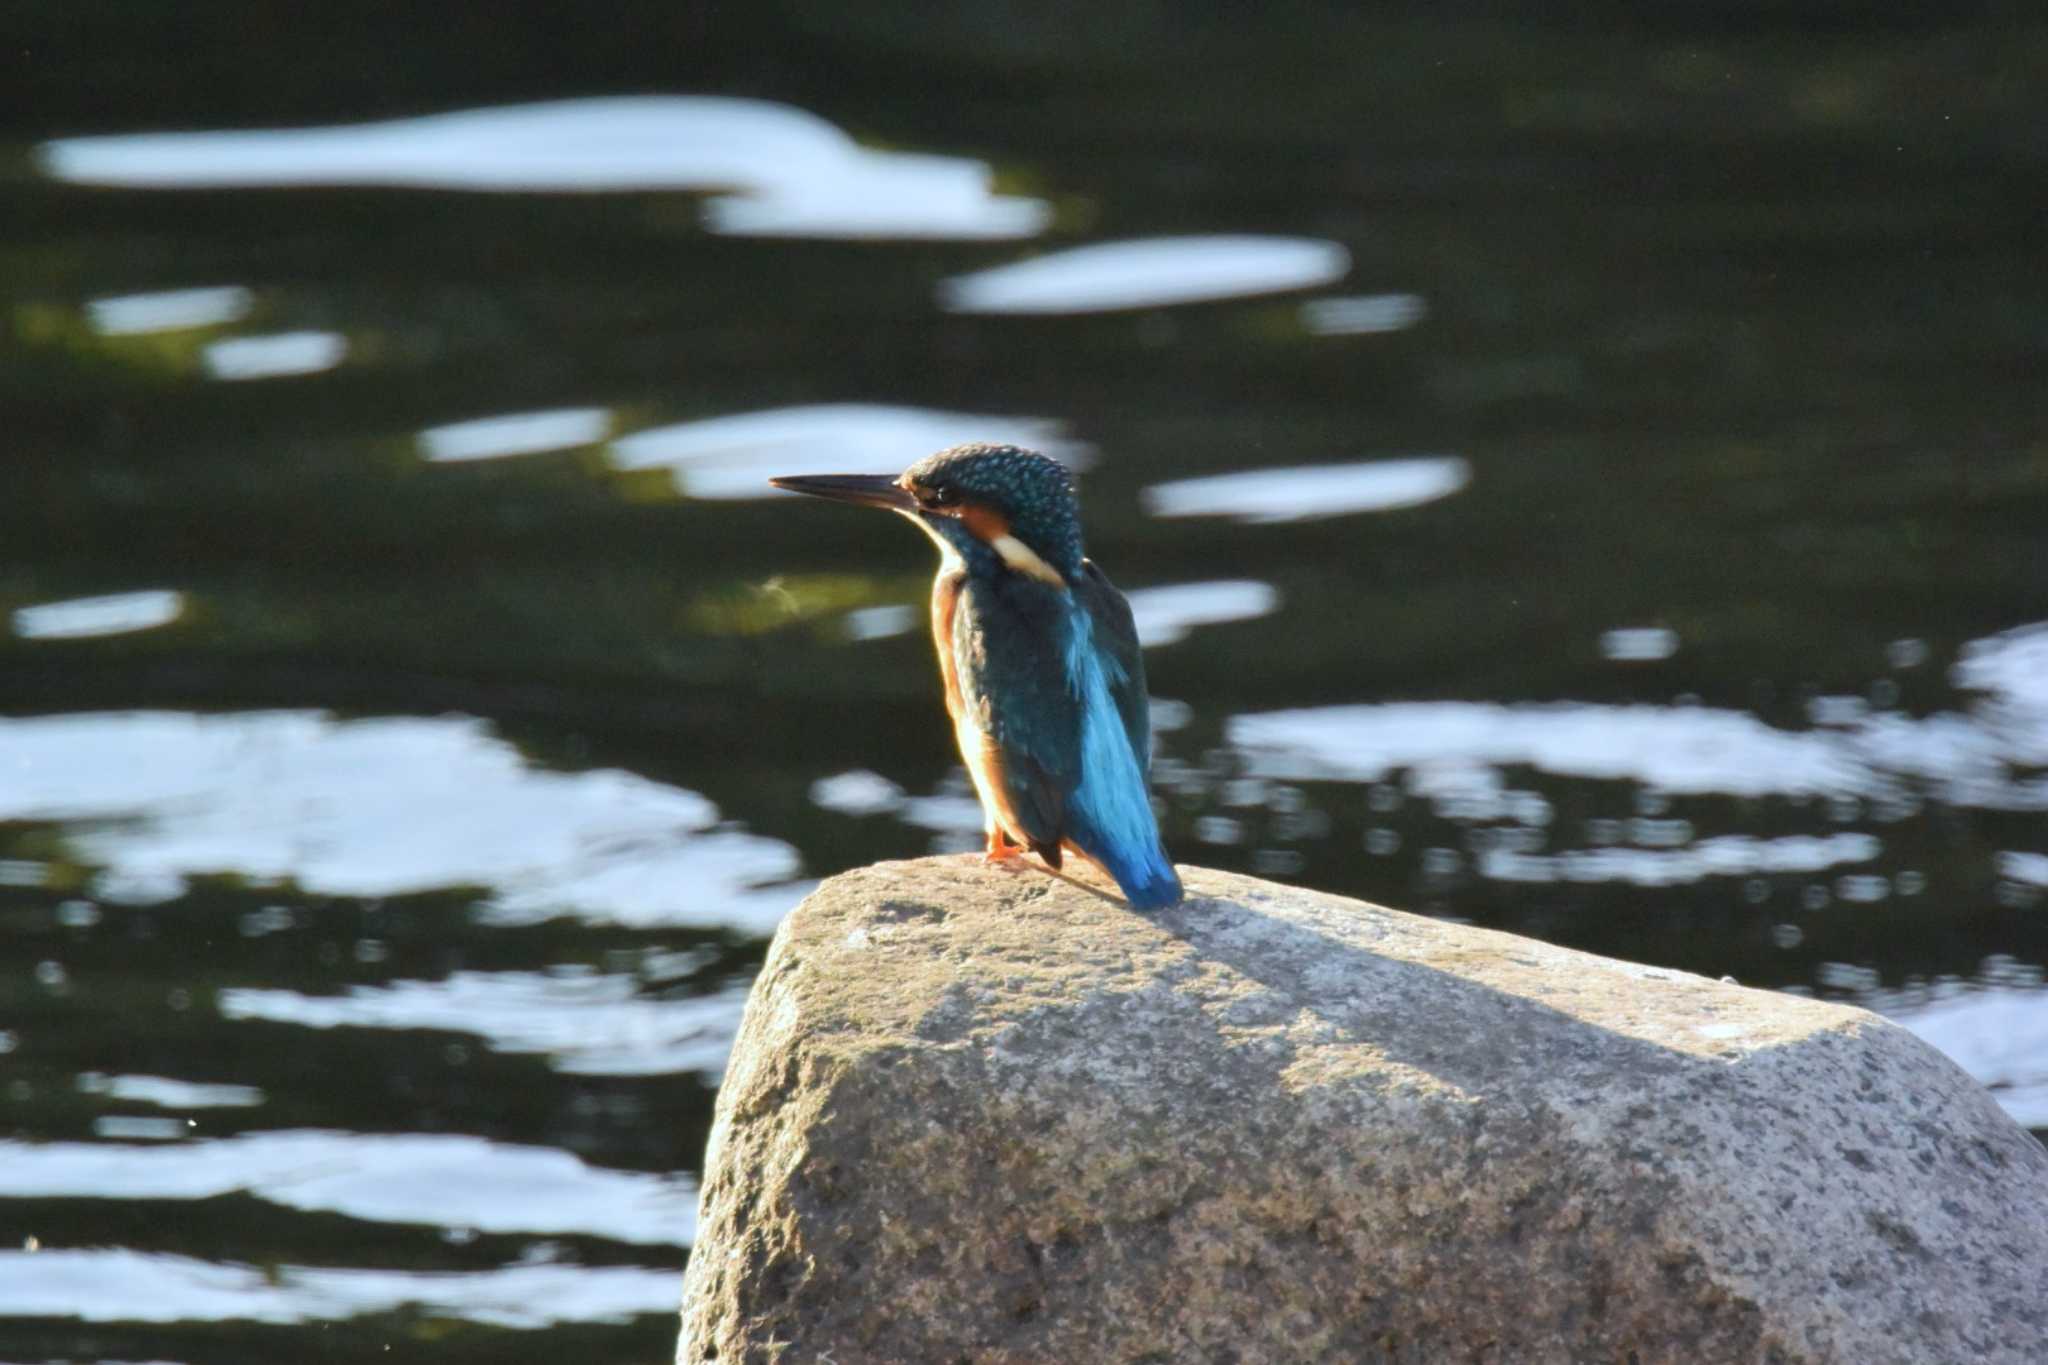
point(1034, 492)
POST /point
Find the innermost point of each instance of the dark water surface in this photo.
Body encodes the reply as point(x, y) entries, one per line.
point(1588, 481)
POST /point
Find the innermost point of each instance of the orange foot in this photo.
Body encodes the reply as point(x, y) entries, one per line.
point(1000, 850)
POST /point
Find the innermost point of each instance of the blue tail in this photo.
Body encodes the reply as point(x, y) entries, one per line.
point(1151, 885)
point(1143, 874)
point(1109, 810)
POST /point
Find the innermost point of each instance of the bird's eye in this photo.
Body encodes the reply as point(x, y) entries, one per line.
point(941, 497)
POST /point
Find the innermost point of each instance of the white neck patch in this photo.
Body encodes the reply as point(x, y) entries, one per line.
point(1025, 560)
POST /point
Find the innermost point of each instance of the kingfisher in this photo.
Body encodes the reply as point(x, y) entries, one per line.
point(1038, 655)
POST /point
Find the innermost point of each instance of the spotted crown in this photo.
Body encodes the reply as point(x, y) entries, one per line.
point(1034, 492)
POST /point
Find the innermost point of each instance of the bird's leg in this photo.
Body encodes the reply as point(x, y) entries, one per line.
point(1000, 849)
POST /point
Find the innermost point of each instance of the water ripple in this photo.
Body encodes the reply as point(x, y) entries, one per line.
point(1147, 273)
point(1311, 492)
point(599, 1024)
point(85, 617)
point(382, 807)
point(734, 456)
point(115, 1285)
point(1690, 750)
point(778, 170)
point(429, 1179)
point(1166, 615)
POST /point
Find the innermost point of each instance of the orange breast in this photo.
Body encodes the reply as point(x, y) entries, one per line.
point(985, 765)
point(978, 749)
point(945, 600)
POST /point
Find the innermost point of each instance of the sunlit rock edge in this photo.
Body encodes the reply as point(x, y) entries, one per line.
point(981, 1112)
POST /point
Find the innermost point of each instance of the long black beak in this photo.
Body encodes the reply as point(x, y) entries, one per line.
point(863, 490)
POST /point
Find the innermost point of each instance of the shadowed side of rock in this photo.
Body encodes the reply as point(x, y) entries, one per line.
point(989, 1116)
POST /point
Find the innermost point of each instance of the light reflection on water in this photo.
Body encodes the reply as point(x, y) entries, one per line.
point(2012, 667)
point(1983, 758)
point(406, 804)
point(1724, 855)
point(880, 623)
point(1166, 615)
point(780, 171)
point(273, 357)
point(734, 457)
point(167, 1093)
point(114, 614)
point(1150, 273)
point(308, 804)
point(164, 873)
point(2030, 868)
point(1638, 644)
point(1312, 492)
point(1999, 1036)
point(168, 310)
point(859, 792)
point(116, 1285)
point(1363, 313)
point(586, 1024)
point(434, 1179)
point(519, 433)
point(378, 808)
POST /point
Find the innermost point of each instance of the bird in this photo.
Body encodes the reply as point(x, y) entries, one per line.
point(1038, 658)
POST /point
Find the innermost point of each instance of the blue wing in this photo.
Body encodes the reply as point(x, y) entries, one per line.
point(1116, 634)
point(1057, 683)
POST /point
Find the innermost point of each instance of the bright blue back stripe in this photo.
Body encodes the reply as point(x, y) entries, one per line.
point(1110, 812)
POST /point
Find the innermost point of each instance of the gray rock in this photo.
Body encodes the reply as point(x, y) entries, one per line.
point(977, 1115)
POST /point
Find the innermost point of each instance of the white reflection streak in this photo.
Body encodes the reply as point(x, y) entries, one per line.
point(1723, 856)
point(118, 1285)
point(787, 172)
point(881, 194)
point(521, 433)
point(166, 1093)
point(734, 457)
point(275, 356)
point(859, 792)
point(2031, 868)
point(2001, 1038)
point(943, 813)
point(169, 311)
point(1363, 313)
point(1638, 644)
point(1311, 492)
point(596, 1025)
point(141, 1127)
point(1166, 615)
point(432, 1179)
point(2013, 668)
point(880, 623)
point(382, 807)
point(1685, 750)
point(115, 614)
point(1147, 273)
point(595, 145)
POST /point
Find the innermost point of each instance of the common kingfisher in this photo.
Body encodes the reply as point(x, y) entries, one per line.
point(1039, 657)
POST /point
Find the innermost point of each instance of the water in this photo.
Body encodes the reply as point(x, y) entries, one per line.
point(1584, 483)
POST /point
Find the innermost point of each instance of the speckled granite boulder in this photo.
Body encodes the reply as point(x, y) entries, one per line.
point(988, 1116)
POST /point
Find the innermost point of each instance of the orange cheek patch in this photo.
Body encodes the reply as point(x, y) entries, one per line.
point(992, 529)
point(985, 522)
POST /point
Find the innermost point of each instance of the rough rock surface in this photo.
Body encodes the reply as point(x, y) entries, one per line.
point(987, 1116)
